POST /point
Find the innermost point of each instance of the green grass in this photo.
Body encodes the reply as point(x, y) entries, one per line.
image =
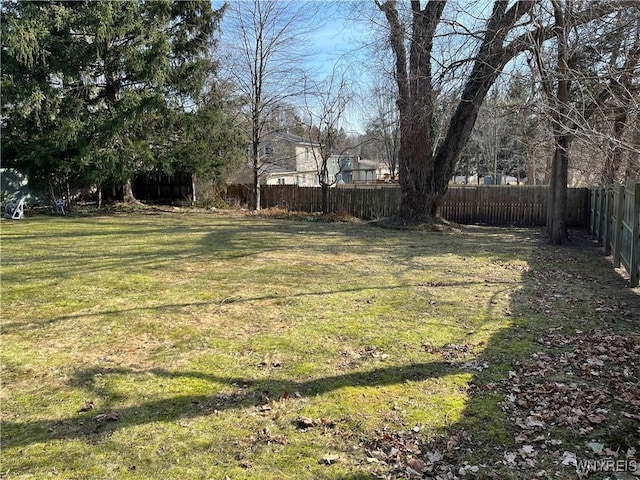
point(211, 335)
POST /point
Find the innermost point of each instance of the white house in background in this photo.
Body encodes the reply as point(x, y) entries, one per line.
point(361, 170)
point(289, 159)
point(286, 159)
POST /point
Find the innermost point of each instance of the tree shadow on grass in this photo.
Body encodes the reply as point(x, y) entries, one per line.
point(545, 386)
point(11, 327)
point(248, 393)
point(490, 428)
point(72, 252)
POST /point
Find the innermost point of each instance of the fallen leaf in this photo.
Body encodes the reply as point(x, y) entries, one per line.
point(596, 418)
point(569, 459)
point(526, 451)
point(329, 459)
point(596, 447)
point(87, 406)
point(304, 422)
point(434, 456)
point(416, 464)
point(611, 453)
point(111, 416)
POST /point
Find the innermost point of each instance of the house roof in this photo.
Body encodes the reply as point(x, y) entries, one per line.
point(290, 137)
point(362, 164)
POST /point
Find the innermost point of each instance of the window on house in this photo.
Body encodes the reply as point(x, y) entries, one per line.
point(306, 153)
point(268, 150)
point(281, 181)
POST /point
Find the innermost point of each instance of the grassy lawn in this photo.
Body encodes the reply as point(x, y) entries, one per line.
point(207, 346)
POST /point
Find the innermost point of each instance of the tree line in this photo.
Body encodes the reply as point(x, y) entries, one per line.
point(94, 92)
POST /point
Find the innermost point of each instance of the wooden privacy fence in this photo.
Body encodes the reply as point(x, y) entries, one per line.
point(492, 205)
point(614, 221)
point(360, 202)
point(510, 205)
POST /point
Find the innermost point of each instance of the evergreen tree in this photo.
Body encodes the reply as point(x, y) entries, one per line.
point(94, 92)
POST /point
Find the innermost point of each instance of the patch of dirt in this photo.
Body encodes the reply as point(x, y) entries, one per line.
point(421, 225)
point(284, 214)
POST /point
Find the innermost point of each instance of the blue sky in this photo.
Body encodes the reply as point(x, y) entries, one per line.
point(342, 29)
point(331, 41)
point(334, 32)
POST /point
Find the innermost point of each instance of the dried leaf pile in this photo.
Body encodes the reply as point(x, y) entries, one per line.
point(572, 406)
point(591, 416)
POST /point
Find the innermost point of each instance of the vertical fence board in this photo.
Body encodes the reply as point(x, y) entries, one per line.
point(617, 237)
point(614, 221)
point(493, 205)
point(634, 266)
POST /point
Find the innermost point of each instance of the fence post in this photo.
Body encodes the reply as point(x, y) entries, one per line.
point(618, 228)
point(595, 227)
point(592, 209)
point(634, 262)
point(606, 225)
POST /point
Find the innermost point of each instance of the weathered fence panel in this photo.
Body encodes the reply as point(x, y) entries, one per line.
point(614, 221)
point(491, 205)
point(507, 205)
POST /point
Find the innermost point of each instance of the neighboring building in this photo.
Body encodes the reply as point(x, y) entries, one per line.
point(286, 159)
point(289, 159)
point(486, 180)
point(361, 170)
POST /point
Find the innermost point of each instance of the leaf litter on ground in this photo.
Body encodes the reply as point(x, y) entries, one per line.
point(575, 399)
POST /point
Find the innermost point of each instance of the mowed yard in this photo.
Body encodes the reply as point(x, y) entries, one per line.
point(220, 345)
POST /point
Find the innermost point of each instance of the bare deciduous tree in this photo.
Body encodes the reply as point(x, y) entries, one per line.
point(384, 124)
point(268, 45)
point(325, 107)
point(426, 161)
point(577, 89)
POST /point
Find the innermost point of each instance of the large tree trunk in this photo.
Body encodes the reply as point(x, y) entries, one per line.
point(424, 171)
point(325, 198)
point(255, 201)
point(557, 210)
point(613, 161)
point(632, 169)
point(562, 126)
point(127, 193)
point(415, 105)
